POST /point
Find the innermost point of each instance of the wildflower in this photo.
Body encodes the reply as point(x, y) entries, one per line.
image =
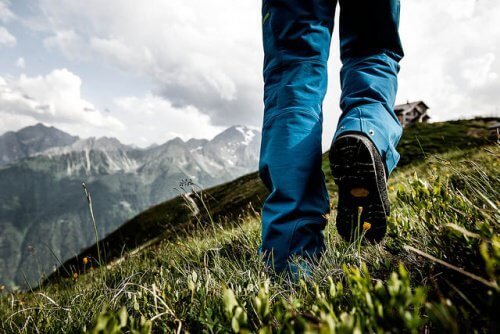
point(391, 188)
point(85, 260)
point(75, 276)
point(367, 226)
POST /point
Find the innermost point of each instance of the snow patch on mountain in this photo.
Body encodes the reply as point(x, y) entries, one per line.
point(247, 133)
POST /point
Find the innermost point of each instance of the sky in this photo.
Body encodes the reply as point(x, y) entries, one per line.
point(148, 71)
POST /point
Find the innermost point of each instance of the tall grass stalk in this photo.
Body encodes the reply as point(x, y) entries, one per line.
point(91, 210)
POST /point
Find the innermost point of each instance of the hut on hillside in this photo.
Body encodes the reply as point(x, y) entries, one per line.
point(412, 112)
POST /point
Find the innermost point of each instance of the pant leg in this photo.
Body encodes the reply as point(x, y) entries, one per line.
point(296, 37)
point(370, 51)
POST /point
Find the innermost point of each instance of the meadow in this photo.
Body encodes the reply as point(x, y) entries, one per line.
point(438, 269)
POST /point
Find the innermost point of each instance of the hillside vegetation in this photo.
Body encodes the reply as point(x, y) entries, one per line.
point(41, 194)
point(228, 201)
point(168, 270)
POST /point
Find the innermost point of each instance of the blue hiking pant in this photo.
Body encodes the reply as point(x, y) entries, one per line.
point(296, 38)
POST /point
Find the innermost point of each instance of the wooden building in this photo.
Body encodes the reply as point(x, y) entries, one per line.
point(412, 112)
point(494, 130)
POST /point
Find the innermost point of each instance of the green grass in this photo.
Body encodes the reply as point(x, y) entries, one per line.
point(438, 270)
point(227, 202)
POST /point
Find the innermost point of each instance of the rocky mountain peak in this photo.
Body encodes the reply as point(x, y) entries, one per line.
point(30, 141)
point(237, 134)
point(194, 143)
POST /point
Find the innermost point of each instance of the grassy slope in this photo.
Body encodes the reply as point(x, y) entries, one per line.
point(210, 277)
point(227, 201)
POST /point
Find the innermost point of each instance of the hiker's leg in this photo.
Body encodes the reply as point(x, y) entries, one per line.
point(370, 51)
point(296, 36)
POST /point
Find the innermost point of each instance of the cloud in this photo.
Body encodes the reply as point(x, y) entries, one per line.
point(201, 54)
point(53, 99)
point(207, 55)
point(6, 38)
point(68, 42)
point(20, 62)
point(452, 56)
point(5, 12)
point(6, 15)
point(157, 120)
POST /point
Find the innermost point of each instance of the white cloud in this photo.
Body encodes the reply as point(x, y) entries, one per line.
point(20, 62)
point(207, 55)
point(6, 38)
point(6, 15)
point(478, 71)
point(158, 121)
point(54, 99)
point(452, 52)
point(201, 54)
point(68, 42)
point(5, 12)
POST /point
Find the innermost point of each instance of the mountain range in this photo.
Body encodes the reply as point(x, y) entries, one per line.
point(44, 217)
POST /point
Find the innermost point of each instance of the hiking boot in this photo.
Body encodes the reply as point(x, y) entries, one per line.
point(359, 173)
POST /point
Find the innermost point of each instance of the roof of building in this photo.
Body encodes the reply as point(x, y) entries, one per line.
point(494, 126)
point(409, 105)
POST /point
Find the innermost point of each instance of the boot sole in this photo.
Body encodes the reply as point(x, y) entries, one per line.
point(359, 173)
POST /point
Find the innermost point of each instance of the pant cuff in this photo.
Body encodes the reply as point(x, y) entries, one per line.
point(379, 126)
